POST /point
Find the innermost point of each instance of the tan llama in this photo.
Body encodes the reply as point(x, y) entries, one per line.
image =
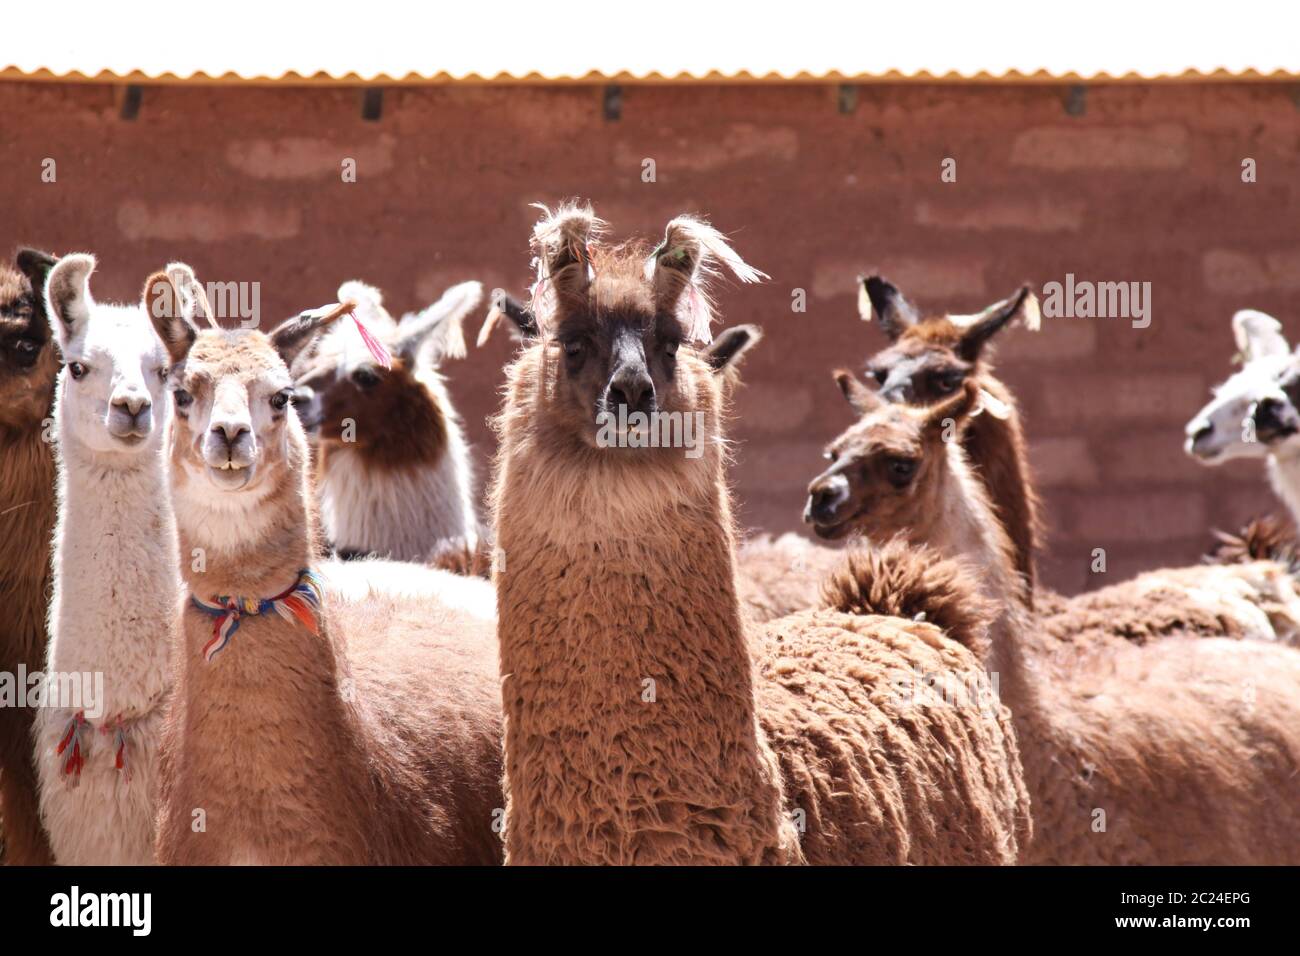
point(1169, 752)
point(644, 722)
point(324, 712)
point(28, 366)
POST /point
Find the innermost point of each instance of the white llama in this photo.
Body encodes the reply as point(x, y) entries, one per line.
point(116, 576)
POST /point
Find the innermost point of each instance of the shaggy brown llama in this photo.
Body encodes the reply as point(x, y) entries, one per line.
point(354, 716)
point(1170, 752)
point(644, 722)
point(28, 365)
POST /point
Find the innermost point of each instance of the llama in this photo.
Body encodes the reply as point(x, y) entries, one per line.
point(929, 359)
point(776, 575)
point(323, 712)
point(644, 722)
point(28, 366)
point(393, 472)
point(932, 358)
point(116, 576)
point(1168, 752)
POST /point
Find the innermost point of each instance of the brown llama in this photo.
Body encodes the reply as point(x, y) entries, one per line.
point(28, 366)
point(1169, 752)
point(393, 469)
point(931, 358)
point(354, 717)
point(776, 575)
point(645, 722)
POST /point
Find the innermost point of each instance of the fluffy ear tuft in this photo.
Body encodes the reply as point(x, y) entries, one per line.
point(980, 327)
point(1258, 334)
point(67, 295)
point(731, 344)
point(562, 258)
point(293, 335)
point(170, 312)
point(438, 332)
point(681, 266)
point(879, 298)
point(862, 399)
point(504, 306)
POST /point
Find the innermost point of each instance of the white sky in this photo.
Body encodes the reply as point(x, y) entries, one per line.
point(568, 37)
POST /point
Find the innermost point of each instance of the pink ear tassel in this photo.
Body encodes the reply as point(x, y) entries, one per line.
point(375, 346)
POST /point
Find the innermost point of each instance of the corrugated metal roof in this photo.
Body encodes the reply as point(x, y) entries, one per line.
point(397, 41)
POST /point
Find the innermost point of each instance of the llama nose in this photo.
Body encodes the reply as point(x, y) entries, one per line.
point(131, 404)
point(635, 390)
point(230, 431)
point(823, 499)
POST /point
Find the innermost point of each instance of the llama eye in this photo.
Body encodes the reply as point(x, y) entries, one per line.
point(670, 348)
point(162, 371)
point(365, 377)
point(77, 370)
point(830, 455)
point(25, 352)
point(573, 348)
point(949, 381)
point(182, 398)
point(880, 375)
point(280, 399)
point(901, 470)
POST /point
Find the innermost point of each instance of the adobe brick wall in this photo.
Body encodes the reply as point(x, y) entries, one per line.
point(244, 184)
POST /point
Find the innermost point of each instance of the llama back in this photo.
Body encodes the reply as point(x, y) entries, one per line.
point(837, 690)
point(423, 653)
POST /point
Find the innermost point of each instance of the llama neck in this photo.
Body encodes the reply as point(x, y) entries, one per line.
point(27, 483)
point(116, 578)
point(963, 525)
point(409, 513)
point(1284, 475)
point(995, 445)
point(627, 681)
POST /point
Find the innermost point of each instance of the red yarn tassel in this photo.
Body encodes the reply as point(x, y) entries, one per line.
point(373, 344)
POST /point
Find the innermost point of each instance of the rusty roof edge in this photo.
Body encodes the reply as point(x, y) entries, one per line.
point(323, 78)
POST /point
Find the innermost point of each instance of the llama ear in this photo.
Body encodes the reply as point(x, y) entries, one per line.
point(880, 298)
point(438, 332)
point(36, 266)
point(171, 313)
point(679, 269)
point(562, 257)
point(1257, 335)
point(726, 350)
point(953, 410)
point(293, 335)
point(979, 328)
point(505, 306)
point(369, 302)
point(862, 399)
point(67, 295)
point(193, 299)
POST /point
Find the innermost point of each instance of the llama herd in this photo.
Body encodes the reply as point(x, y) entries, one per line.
point(267, 545)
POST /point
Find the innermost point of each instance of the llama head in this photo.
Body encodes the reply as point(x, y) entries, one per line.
point(885, 466)
point(28, 364)
point(1222, 430)
point(112, 388)
point(234, 430)
point(931, 358)
point(1276, 415)
point(396, 415)
point(624, 330)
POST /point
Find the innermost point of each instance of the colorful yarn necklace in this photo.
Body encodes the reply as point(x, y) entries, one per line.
point(299, 603)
